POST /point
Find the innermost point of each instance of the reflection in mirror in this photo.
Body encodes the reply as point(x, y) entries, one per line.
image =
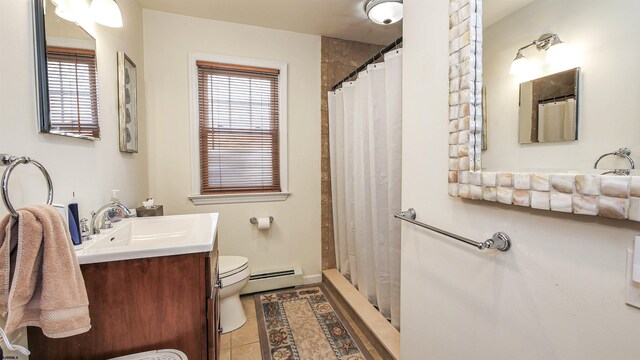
point(555, 37)
point(68, 78)
point(548, 108)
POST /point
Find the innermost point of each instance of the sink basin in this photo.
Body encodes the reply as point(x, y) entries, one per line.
point(150, 237)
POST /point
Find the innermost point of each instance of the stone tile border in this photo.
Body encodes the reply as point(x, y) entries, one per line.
point(615, 197)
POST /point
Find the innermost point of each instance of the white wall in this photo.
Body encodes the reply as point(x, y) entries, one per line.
point(559, 292)
point(295, 235)
point(602, 47)
point(90, 168)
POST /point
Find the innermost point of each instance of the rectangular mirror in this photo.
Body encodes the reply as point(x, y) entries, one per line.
point(548, 108)
point(559, 106)
point(67, 76)
point(559, 50)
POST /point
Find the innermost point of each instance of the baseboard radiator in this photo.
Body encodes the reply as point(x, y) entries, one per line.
point(274, 279)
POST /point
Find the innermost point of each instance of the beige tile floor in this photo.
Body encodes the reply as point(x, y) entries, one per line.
point(244, 343)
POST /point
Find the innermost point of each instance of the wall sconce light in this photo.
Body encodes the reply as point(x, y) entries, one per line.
point(551, 43)
point(104, 12)
point(384, 12)
point(519, 63)
point(107, 13)
point(71, 10)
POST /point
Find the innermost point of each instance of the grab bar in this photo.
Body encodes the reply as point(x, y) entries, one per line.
point(499, 240)
point(11, 162)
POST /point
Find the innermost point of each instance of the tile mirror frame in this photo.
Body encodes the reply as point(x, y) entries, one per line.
point(615, 197)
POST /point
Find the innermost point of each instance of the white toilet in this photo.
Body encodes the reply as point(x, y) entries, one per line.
point(234, 275)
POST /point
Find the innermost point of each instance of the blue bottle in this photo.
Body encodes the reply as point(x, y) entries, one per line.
point(74, 221)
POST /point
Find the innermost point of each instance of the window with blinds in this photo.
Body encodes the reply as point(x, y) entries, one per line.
point(73, 91)
point(239, 128)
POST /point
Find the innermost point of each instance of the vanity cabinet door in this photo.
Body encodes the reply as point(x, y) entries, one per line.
point(216, 317)
point(135, 306)
point(213, 324)
point(213, 307)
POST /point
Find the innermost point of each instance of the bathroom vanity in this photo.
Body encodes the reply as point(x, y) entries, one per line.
point(151, 284)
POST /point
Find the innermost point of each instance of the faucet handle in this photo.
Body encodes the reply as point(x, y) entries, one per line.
point(106, 222)
point(84, 230)
point(83, 225)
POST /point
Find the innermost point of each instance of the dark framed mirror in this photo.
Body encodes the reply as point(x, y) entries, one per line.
point(66, 73)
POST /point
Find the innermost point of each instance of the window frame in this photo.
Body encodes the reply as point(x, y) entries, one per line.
point(196, 195)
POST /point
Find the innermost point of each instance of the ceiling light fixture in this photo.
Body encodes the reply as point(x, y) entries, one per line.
point(384, 12)
point(107, 13)
point(551, 43)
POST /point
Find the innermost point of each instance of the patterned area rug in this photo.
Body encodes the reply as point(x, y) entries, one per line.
point(301, 324)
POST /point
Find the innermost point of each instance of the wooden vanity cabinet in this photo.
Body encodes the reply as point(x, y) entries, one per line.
point(168, 302)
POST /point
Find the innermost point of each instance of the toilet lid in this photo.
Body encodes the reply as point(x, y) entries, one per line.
point(229, 265)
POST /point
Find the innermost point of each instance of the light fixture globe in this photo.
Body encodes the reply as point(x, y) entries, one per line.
point(557, 53)
point(106, 12)
point(71, 10)
point(63, 10)
point(519, 64)
point(384, 12)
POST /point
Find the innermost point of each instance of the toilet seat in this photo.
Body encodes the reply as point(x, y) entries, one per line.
point(231, 265)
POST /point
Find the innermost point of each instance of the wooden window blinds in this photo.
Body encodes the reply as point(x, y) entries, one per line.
point(73, 91)
point(239, 128)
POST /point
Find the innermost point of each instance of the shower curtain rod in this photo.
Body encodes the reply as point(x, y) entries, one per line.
point(375, 57)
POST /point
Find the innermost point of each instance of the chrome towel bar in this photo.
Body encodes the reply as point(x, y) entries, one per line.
point(11, 162)
point(499, 240)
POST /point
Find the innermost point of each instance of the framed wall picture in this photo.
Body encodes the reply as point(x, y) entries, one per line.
point(127, 103)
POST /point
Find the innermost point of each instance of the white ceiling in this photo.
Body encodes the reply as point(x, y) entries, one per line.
point(344, 19)
point(494, 10)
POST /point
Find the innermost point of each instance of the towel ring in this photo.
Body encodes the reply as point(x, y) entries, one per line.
point(12, 162)
point(622, 152)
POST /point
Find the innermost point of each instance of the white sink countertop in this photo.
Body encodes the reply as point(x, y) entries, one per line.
point(146, 237)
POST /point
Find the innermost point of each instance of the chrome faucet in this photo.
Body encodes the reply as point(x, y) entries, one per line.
point(95, 215)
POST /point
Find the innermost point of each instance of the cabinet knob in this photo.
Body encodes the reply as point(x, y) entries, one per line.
point(219, 329)
point(218, 284)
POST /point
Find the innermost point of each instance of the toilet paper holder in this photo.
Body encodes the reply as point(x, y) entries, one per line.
point(254, 220)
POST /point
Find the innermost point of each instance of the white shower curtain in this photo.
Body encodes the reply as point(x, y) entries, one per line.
point(365, 146)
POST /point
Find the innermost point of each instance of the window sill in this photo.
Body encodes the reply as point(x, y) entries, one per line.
point(238, 198)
